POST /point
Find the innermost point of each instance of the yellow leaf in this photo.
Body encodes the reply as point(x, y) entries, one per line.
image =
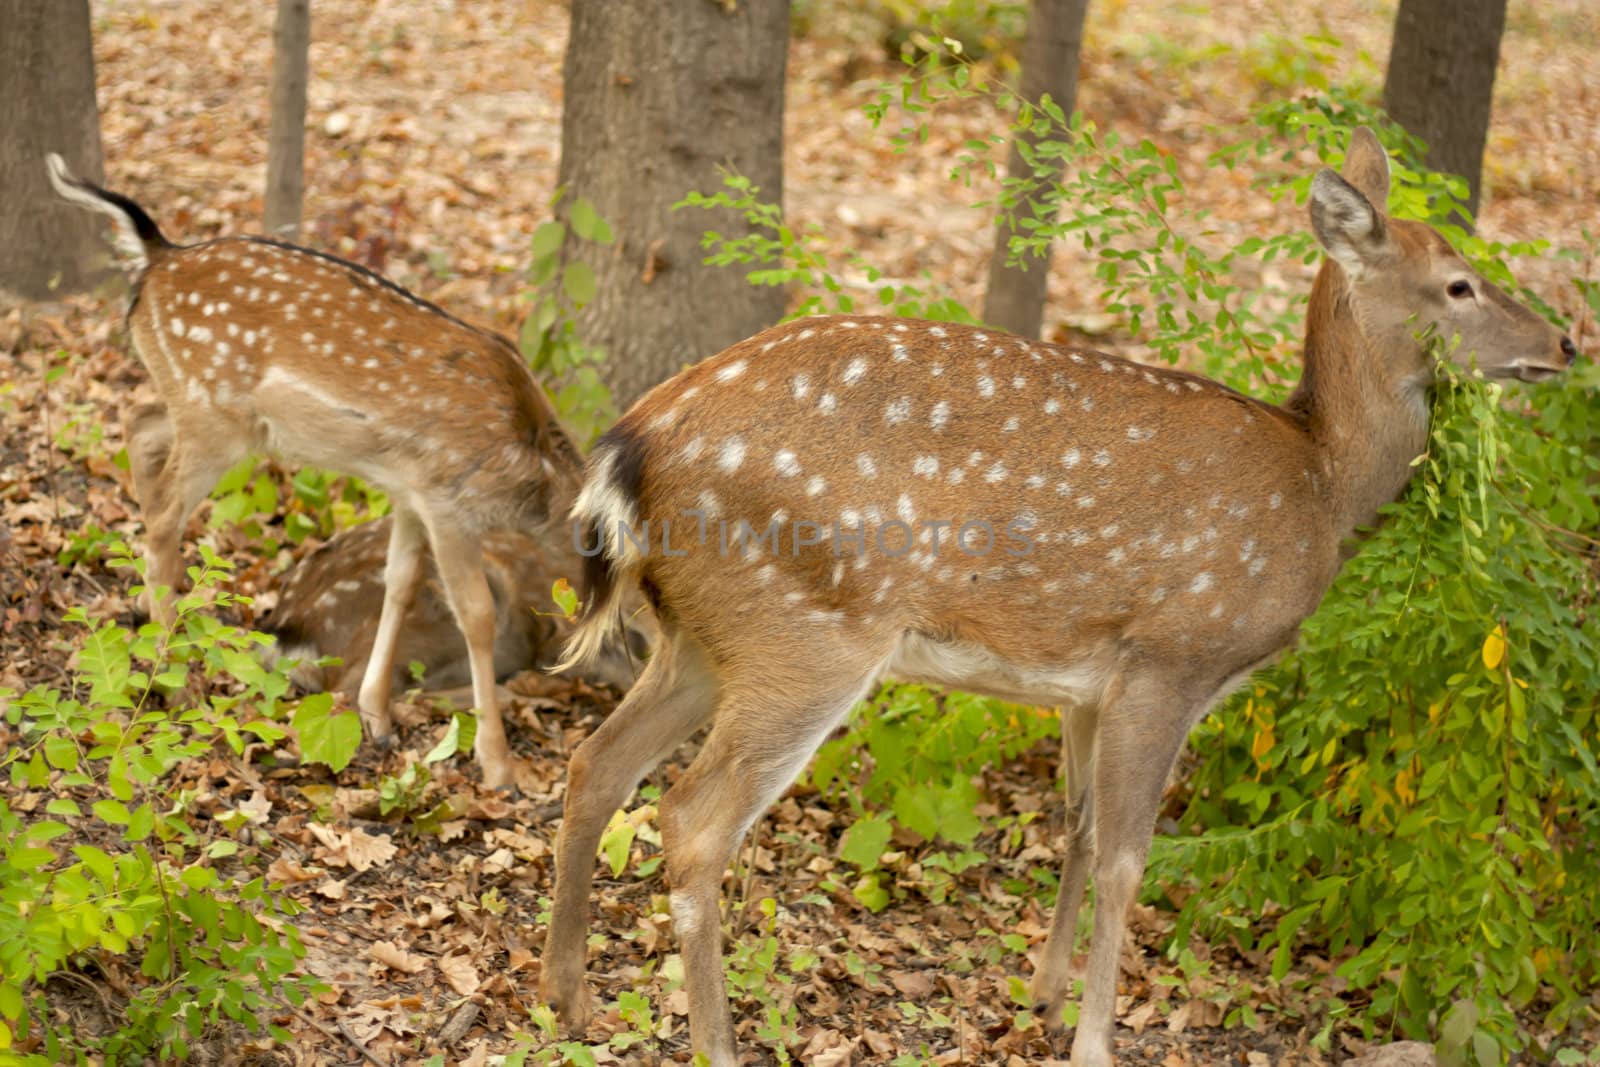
point(1494, 648)
point(1262, 744)
point(1402, 787)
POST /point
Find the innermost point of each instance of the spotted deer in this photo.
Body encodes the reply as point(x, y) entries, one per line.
point(255, 345)
point(330, 604)
point(839, 500)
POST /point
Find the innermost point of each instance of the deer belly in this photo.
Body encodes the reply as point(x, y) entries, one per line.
point(977, 669)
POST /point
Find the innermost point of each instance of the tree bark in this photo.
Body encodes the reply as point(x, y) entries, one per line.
point(1016, 296)
point(659, 95)
point(291, 43)
point(47, 247)
point(1440, 81)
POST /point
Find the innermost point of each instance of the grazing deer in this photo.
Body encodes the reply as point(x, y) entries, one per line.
point(259, 346)
point(837, 500)
point(331, 602)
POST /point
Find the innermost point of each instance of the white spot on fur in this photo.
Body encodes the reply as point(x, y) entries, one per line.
point(732, 455)
point(786, 463)
point(940, 415)
point(1201, 583)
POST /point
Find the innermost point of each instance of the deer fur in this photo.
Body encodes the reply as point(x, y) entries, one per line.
point(1178, 533)
point(255, 345)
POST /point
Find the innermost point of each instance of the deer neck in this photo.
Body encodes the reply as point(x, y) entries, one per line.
point(1367, 418)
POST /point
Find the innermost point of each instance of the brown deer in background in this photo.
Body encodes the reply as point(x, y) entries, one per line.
point(330, 603)
point(259, 346)
point(960, 507)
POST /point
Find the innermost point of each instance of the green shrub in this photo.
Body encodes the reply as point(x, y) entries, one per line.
point(125, 861)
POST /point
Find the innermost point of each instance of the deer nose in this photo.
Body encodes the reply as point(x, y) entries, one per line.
point(1569, 350)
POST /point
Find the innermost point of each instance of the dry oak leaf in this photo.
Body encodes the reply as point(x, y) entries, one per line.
point(829, 1048)
point(356, 849)
point(460, 973)
point(286, 870)
point(396, 958)
point(914, 984)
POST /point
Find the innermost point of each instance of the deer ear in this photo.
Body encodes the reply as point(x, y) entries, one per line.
point(1366, 166)
point(1349, 228)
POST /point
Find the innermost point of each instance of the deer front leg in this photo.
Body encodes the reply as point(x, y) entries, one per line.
point(1143, 723)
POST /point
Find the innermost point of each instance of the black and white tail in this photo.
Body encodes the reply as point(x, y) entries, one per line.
point(606, 508)
point(138, 237)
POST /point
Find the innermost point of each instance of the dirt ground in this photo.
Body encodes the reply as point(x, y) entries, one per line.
point(433, 142)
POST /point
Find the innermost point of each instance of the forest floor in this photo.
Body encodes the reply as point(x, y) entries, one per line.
point(432, 150)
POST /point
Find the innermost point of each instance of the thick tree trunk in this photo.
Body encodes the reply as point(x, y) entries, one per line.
point(47, 246)
point(1441, 80)
point(660, 94)
point(291, 42)
point(1015, 300)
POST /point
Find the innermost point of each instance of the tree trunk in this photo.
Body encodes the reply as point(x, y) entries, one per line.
point(47, 246)
point(291, 41)
point(1015, 299)
point(660, 94)
point(1441, 80)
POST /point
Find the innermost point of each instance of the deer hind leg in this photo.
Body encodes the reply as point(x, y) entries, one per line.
point(760, 740)
point(459, 556)
point(1053, 980)
point(171, 479)
point(1143, 723)
point(402, 571)
point(674, 697)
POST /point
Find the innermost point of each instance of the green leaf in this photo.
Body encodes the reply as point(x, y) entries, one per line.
point(617, 842)
point(864, 843)
point(325, 737)
point(870, 892)
point(448, 745)
point(577, 281)
point(587, 223)
point(547, 239)
point(114, 812)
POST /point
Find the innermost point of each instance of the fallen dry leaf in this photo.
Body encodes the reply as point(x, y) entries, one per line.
point(460, 973)
point(395, 958)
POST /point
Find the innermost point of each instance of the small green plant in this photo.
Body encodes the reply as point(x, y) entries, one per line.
point(124, 863)
point(318, 502)
point(777, 255)
point(559, 286)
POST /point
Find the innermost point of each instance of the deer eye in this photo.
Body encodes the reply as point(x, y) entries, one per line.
point(1459, 289)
